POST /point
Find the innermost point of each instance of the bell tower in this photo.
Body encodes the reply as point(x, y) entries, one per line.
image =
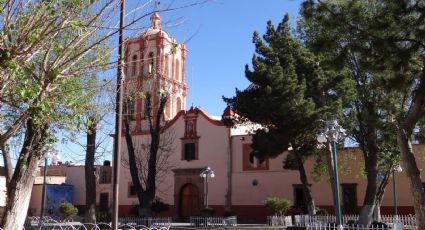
point(154, 63)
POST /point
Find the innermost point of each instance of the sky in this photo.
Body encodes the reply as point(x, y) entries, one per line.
point(218, 37)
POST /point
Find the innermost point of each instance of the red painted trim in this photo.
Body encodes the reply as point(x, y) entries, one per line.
point(210, 119)
point(168, 125)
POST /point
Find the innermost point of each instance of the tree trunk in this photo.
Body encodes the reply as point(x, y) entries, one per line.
point(20, 187)
point(380, 195)
point(414, 176)
point(90, 208)
point(404, 133)
point(7, 163)
point(306, 186)
point(377, 212)
point(134, 172)
point(370, 154)
point(147, 194)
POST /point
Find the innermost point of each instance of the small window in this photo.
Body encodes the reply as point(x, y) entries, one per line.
point(132, 190)
point(251, 162)
point(134, 66)
point(189, 151)
point(105, 178)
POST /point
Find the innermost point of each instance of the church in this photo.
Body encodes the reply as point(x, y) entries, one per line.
point(193, 140)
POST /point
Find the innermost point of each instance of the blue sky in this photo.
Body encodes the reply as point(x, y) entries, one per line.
point(221, 44)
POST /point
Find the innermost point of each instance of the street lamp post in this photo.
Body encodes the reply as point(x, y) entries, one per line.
point(333, 132)
point(207, 172)
point(396, 168)
point(43, 192)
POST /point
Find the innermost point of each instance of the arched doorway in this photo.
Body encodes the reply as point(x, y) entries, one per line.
point(189, 201)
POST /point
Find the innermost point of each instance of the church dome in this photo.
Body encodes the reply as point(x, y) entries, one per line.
point(155, 27)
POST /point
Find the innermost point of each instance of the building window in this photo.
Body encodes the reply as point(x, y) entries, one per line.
point(300, 203)
point(166, 66)
point(132, 190)
point(250, 162)
point(151, 67)
point(130, 108)
point(177, 74)
point(134, 65)
point(190, 149)
point(178, 105)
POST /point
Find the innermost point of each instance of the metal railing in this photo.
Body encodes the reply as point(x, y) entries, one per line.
point(153, 221)
point(333, 226)
point(48, 223)
point(213, 221)
point(303, 220)
point(347, 220)
point(279, 220)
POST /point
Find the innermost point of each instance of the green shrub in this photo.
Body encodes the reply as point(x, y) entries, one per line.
point(67, 210)
point(103, 217)
point(278, 206)
point(134, 210)
point(228, 213)
point(157, 206)
point(206, 212)
point(321, 212)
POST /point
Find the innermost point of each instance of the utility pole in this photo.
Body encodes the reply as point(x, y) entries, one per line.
point(118, 120)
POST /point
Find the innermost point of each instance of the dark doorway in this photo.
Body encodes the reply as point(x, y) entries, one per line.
point(104, 202)
point(189, 201)
point(299, 198)
point(349, 198)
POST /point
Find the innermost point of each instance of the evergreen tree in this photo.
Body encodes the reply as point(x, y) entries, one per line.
point(287, 97)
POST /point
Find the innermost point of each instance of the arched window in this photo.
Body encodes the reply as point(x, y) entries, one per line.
point(166, 65)
point(179, 104)
point(177, 74)
point(130, 108)
point(133, 65)
point(151, 66)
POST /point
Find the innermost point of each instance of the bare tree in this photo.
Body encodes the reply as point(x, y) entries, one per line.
point(144, 179)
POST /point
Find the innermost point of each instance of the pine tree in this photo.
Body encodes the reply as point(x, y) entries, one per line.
point(287, 97)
